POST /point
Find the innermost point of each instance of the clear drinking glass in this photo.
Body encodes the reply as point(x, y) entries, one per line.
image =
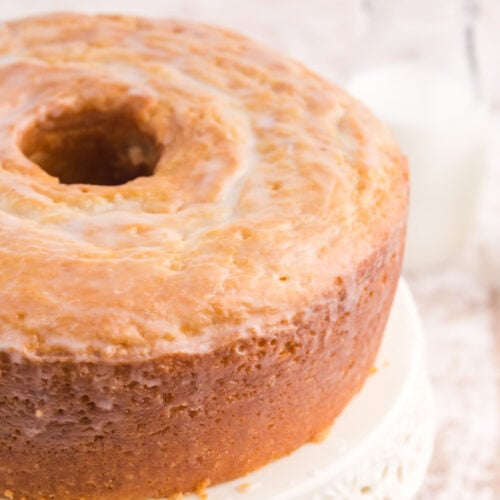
point(417, 69)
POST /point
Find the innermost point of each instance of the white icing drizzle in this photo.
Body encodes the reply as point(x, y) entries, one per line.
point(270, 184)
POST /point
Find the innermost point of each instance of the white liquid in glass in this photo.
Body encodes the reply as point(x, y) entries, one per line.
point(441, 126)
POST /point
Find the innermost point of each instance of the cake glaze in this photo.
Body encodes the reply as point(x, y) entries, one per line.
point(199, 245)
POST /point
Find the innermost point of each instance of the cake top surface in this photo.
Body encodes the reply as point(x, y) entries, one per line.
point(166, 185)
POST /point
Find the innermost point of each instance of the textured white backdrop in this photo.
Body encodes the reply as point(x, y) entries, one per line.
point(460, 305)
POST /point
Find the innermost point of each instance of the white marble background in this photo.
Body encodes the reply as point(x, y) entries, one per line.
point(460, 304)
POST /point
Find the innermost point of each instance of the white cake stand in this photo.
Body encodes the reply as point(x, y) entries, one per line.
point(380, 446)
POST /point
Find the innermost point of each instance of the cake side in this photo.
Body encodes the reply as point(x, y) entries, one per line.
point(153, 428)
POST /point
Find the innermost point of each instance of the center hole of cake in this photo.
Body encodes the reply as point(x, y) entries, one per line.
point(105, 148)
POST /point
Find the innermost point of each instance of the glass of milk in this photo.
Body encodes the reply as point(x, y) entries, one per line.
point(417, 71)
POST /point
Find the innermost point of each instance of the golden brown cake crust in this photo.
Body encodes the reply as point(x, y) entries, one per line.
point(215, 298)
point(152, 428)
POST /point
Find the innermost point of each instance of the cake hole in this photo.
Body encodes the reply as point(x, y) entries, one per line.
point(105, 148)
